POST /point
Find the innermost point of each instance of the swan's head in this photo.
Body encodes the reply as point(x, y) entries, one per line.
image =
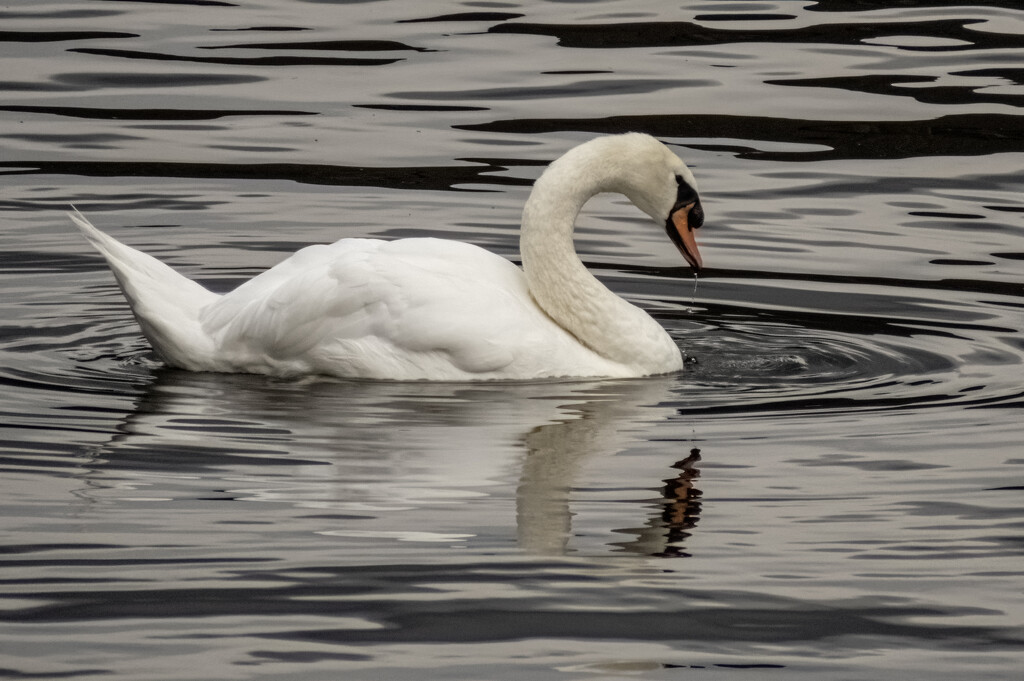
point(659, 183)
point(634, 164)
point(655, 180)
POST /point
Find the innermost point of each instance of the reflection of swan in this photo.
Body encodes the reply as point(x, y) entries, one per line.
point(610, 420)
point(498, 462)
point(430, 308)
point(680, 510)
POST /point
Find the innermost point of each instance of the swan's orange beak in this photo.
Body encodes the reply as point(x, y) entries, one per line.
point(682, 235)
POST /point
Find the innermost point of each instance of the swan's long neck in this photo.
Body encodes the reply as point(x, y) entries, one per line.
point(561, 284)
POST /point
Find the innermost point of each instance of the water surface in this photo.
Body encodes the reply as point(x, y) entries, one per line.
point(831, 490)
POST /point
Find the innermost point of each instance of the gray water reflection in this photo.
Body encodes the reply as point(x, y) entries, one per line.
point(368, 447)
point(857, 336)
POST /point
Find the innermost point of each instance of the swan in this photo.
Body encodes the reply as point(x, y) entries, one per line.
point(428, 308)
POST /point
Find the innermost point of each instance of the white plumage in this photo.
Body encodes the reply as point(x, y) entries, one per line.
point(430, 309)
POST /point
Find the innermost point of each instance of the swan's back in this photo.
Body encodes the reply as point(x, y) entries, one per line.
point(408, 309)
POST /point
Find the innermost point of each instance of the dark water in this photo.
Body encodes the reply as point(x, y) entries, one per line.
point(833, 489)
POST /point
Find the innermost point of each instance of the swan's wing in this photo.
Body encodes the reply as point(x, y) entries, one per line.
point(383, 309)
point(271, 305)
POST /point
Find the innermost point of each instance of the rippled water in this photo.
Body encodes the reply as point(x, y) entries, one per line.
point(832, 490)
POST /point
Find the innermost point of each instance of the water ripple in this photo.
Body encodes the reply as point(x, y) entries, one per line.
point(950, 135)
point(686, 34)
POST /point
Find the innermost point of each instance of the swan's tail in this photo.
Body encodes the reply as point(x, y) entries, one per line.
point(166, 304)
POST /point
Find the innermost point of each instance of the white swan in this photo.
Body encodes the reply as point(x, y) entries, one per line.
point(432, 309)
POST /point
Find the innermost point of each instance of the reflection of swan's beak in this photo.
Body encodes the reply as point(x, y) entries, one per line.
point(682, 236)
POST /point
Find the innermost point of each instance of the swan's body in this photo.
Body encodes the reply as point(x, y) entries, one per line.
point(432, 309)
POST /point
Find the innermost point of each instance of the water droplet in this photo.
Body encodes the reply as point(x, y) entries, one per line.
point(693, 297)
